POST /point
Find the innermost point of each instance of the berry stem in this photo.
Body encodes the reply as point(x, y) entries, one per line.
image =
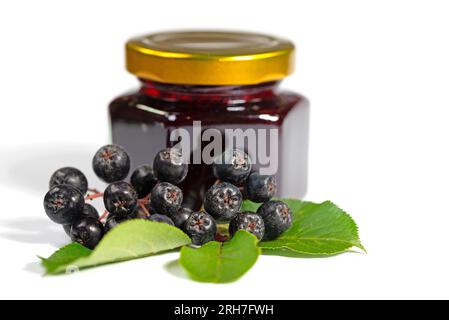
point(94, 196)
point(144, 209)
point(221, 237)
point(104, 215)
point(93, 190)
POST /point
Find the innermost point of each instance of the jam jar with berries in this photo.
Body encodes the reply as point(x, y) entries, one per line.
point(210, 92)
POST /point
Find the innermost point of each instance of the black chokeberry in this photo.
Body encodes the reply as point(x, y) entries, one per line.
point(181, 216)
point(170, 166)
point(233, 166)
point(260, 188)
point(114, 221)
point(88, 211)
point(111, 163)
point(71, 176)
point(161, 218)
point(166, 198)
point(248, 221)
point(277, 217)
point(120, 199)
point(143, 180)
point(201, 228)
point(64, 204)
point(223, 201)
point(87, 232)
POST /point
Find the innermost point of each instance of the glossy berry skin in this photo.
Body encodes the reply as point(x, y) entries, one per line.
point(161, 218)
point(64, 204)
point(181, 216)
point(70, 176)
point(88, 211)
point(233, 166)
point(201, 227)
point(277, 217)
point(223, 201)
point(260, 188)
point(111, 163)
point(120, 199)
point(248, 221)
point(112, 222)
point(143, 180)
point(169, 166)
point(166, 198)
point(87, 232)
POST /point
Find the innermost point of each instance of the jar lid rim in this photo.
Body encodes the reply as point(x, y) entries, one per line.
point(210, 57)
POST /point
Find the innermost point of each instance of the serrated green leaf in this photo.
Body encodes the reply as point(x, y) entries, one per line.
point(130, 240)
point(317, 229)
point(221, 262)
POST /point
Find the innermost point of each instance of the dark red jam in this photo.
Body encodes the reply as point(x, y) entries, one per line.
point(142, 122)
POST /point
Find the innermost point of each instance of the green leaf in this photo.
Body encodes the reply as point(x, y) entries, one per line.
point(317, 229)
point(64, 256)
point(129, 240)
point(221, 262)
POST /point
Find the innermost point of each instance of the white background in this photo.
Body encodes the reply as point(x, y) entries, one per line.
point(376, 72)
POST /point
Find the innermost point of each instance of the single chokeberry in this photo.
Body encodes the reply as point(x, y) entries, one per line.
point(88, 211)
point(277, 217)
point(120, 199)
point(71, 176)
point(87, 232)
point(260, 188)
point(64, 204)
point(111, 163)
point(161, 218)
point(233, 166)
point(248, 221)
point(223, 201)
point(143, 180)
point(201, 228)
point(166, 198)
point(181, 216)
point(169, 166)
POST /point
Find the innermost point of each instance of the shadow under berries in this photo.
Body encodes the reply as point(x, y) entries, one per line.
point(33, 231)
point(20, 163)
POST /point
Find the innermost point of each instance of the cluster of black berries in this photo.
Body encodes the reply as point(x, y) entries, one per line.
point(153, 195)
point(223, 200)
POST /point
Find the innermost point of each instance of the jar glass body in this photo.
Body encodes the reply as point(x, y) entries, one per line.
point(144, 120)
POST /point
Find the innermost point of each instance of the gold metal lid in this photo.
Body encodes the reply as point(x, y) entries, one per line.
point(210, 58)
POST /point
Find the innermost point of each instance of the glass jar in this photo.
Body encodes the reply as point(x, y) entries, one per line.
point(217, 87)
